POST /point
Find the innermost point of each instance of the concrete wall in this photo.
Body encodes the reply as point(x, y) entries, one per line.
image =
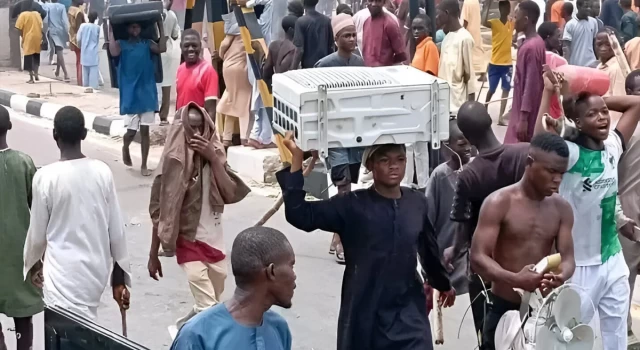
point(4, 37)
point(9, 37)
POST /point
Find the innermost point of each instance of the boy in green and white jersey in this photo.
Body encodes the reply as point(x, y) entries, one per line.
point(591, 186)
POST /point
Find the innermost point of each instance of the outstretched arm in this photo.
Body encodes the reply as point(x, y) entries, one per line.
point(485, 18)
point(629, 106)
point(327, 215)
point(161, 46)
point(114, 46)
point(549, 89)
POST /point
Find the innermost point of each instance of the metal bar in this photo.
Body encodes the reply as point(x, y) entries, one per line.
point(253, 39)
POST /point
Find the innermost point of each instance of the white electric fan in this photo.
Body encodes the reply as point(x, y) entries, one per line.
point(563, 329)
point(557, 322)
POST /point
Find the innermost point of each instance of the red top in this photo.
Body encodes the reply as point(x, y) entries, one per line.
point(382, 43)
point(196, 83)
point(187, 251)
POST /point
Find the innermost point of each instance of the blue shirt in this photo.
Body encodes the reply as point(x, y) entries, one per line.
point(611, 14)
point(215, 329)
point(89, 39)
point(66, 3)
point(136, 78)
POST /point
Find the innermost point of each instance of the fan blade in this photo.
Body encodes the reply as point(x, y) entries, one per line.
point(547, 340)
point(583, 338)
point(567, 307)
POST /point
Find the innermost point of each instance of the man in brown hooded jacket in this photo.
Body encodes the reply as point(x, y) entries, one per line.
point(187, 200)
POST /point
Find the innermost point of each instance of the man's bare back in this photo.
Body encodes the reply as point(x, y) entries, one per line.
point(528, 230)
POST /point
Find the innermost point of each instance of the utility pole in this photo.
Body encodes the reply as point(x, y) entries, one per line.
point(414, 9)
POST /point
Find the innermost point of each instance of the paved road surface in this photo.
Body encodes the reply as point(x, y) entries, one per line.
point(156, 305)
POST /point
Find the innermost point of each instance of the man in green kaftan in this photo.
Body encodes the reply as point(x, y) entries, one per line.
point(19, 299)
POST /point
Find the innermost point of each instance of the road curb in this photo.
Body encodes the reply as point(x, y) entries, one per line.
point(105, 125)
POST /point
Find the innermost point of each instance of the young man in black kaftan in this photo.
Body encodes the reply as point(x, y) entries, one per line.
point(383, 229)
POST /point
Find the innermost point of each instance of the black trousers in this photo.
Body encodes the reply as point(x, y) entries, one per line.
point(478, 303)
point(498, 308)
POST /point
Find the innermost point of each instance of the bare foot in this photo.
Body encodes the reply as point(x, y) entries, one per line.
point(145, 172)
point(126, 156)
point(253, 143)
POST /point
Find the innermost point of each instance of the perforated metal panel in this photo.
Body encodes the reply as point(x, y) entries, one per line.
point(285, 116)
point(360, 106)
point(339, 78)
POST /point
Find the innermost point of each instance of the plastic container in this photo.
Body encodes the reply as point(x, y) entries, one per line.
point(585, 79)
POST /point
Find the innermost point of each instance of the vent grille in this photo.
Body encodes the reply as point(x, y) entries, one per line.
point(285, 117)
point(339, 77)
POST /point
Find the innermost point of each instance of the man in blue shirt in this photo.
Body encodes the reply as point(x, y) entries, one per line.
point(611, 14)
point(262, 262)
point(137, 82)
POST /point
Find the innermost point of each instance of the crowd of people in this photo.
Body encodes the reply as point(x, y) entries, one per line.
point(480, 220)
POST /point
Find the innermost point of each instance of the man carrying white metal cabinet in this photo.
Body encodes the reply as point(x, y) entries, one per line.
point(383, 228)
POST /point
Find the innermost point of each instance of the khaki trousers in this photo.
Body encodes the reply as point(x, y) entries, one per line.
point(230, 123)
point(206, 282)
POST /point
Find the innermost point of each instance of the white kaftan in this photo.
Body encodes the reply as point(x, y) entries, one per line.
point(456, 66)
point(77, 226)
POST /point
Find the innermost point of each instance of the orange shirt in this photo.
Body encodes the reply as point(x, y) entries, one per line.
point(556, 13)
point(426, 58)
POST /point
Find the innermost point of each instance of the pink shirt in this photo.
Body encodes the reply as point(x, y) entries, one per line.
point(197, 83)
point(382, 42)
point(554, 61)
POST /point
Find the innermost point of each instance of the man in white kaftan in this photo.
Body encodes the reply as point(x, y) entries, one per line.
point(77, 228)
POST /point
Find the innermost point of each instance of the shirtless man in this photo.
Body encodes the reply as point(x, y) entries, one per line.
point(517, 227)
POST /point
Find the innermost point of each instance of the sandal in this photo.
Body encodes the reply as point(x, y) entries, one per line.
point(340, 257)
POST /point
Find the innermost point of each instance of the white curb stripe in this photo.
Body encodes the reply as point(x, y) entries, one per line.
point(49, 110)
point(117, 128)
point(19, 103)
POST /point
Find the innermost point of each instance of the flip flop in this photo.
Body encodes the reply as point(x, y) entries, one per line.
point(340, 257)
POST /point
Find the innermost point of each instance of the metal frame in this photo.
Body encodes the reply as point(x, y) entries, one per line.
point(323, 121)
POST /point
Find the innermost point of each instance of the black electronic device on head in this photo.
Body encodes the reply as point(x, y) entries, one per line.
point(149, 16)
